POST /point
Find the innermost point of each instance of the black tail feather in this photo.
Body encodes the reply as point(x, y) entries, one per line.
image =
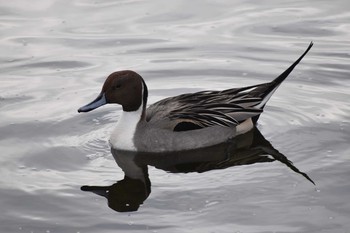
point(285, 74)
point(265, 91)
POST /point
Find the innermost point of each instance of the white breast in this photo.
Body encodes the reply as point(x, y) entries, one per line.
point(122, 137)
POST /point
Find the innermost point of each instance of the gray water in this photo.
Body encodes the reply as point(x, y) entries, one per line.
point(55, 56)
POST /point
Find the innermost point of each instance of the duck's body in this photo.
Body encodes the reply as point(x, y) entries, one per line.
point(183, 122)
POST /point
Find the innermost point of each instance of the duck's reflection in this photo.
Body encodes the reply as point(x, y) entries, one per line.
point(124, 196)
point(128, 194)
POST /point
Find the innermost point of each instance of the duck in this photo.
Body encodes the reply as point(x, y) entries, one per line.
point(183, 122)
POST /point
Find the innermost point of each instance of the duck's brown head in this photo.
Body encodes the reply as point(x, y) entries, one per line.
point(126, 88)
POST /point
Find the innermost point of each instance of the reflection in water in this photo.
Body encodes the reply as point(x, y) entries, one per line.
point(128, 194)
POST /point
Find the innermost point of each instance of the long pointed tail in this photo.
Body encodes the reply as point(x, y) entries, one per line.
point(285, 74)
point(265, 91)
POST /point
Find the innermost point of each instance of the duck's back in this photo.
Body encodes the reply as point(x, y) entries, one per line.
point(227, 108)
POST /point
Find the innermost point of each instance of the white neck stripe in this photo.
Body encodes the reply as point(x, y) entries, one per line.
point(122, 137)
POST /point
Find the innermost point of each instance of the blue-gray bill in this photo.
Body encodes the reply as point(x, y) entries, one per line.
point(98, 102)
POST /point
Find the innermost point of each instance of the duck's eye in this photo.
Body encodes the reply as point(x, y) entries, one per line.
point(116, 86)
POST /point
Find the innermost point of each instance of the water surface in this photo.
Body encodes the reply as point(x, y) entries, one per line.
point(55, 56)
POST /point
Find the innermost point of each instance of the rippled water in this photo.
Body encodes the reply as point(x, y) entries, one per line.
point(55, 56)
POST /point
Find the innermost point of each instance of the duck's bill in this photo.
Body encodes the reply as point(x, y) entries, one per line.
point(98, 102)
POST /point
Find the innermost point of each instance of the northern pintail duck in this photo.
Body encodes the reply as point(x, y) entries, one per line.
point(182, 122)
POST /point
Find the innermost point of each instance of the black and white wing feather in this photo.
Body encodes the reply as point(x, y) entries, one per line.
point(225, 108)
